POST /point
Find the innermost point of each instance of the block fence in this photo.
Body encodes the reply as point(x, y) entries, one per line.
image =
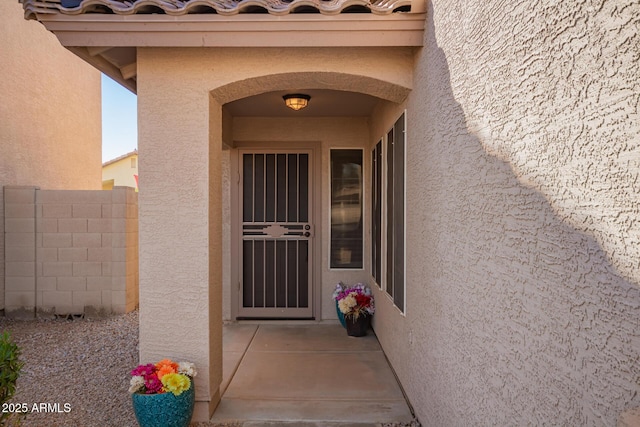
point(70, 252)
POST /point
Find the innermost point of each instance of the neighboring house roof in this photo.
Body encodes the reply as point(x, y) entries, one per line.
point(117, 159)
point(221, 7)
point(121, 171)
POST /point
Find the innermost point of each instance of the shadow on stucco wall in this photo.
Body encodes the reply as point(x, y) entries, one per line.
point(514, 317)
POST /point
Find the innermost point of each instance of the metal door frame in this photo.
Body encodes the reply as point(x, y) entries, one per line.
point(312, 149)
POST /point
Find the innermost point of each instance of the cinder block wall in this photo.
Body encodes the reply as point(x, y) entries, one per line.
point(70, 252)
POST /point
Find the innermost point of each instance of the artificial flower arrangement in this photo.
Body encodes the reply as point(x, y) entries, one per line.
point(163, 377)
point(354, 301)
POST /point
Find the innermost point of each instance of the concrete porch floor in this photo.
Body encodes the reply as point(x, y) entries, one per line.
point(306, 374)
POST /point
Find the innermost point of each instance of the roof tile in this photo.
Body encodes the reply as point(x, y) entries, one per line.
point(221, 7)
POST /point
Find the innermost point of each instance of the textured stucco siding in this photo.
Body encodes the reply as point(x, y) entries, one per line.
point(523, 216)
point(179, 224)
point(50, 131)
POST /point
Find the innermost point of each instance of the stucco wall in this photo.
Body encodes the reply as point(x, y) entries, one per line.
point(523, 207)
point(50, 131)
point(179, 256)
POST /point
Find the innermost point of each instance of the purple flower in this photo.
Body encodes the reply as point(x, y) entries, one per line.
point(358, 288)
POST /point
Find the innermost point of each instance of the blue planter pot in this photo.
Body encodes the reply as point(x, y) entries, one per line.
point(164, 410)
point(340, 316)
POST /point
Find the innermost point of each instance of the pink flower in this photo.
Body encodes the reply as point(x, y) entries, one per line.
point(144, 370)
point(147, 378)
point(153, 384)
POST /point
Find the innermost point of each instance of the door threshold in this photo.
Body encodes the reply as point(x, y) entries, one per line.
point(261, 319)
point(280, 322)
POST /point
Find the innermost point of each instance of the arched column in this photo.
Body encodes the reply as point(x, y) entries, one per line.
point(180, 235)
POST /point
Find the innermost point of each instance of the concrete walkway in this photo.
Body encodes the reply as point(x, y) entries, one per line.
point(306, 374)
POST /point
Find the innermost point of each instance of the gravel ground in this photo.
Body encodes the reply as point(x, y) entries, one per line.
point(83, 364)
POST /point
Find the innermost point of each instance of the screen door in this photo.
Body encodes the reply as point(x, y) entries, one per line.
point(277, 229)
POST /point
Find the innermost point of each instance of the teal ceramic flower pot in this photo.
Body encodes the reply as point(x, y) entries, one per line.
point(340, 316)
point(164, 410)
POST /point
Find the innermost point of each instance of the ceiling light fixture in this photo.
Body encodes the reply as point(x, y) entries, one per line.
point(296, 101)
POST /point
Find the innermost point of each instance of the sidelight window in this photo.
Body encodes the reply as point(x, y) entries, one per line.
point(346, 209)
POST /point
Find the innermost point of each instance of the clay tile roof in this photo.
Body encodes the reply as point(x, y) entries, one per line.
point(221, 7)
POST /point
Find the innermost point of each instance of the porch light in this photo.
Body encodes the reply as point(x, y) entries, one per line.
point(296, 101)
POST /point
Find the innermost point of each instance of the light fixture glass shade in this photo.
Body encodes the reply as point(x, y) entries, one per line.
point(296, 101)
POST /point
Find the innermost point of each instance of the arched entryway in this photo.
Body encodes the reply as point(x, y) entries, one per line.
point(275, 263)
point(183, 100)
point(259, 132)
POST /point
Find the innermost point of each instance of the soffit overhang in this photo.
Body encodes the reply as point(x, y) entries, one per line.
point(107, 33)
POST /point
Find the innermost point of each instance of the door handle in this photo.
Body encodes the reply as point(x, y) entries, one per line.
point(307, 234)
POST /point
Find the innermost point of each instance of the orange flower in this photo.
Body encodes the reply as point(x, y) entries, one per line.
point(166, 366)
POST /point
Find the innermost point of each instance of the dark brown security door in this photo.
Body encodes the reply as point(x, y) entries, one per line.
point(276, 235)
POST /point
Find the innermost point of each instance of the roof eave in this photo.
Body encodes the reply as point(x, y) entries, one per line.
point(260, 30)
point(109, 42)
